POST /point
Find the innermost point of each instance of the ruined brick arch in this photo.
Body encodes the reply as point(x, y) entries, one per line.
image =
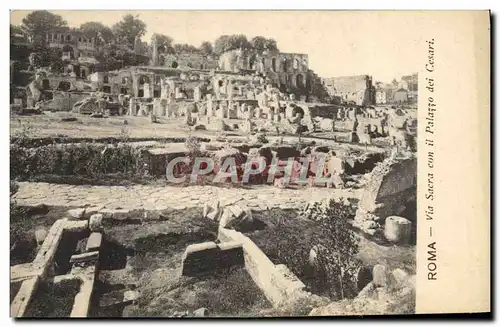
point(285, 65)
point(274, 64)
point(297, 110)
point(70, 49)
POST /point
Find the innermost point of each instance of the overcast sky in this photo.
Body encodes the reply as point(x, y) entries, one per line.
point(339, 43)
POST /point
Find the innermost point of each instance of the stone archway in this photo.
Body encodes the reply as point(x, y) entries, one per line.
point(69, 51)
point(141, 81)
point(299, 81)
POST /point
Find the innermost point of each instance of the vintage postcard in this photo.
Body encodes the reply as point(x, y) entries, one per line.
point(183, 164)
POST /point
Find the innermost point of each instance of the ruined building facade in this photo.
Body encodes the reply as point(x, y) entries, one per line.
point(181, 60)
point(358, 89)
point(288, 71)
point(73, 43)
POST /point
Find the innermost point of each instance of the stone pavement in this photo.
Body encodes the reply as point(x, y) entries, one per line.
point(146, 197)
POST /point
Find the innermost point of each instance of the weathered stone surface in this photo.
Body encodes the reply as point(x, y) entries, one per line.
point(367, 291)
point(397, 229)
point(76, 226)
point(95, 222)
point(201, 312)
point(77, 213)
point(390, 182)
point(236, 217)
point(40, 235)
point(400, 277)
point(130, 296)
point(85, 257)
point(380, 276)
point(277, 283)
point(94, 242)
point(136, 197)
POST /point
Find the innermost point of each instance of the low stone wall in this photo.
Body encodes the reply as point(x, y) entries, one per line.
point(31, 274)
point(277, 282)
point(201, 258)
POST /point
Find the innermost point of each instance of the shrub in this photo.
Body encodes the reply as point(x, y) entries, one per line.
point(20, 223)
point(327, 229)
point(84, 159)
point(337, 245)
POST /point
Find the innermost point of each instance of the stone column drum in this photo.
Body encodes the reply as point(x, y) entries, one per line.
point(397, 229)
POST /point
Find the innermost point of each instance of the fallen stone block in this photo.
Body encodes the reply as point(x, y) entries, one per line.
point(380, 276)
point(95, 222)
point(85, 257)
point(235, 217)
point(236, 210)
point(92, 210)
point(115, 213)
point(130, 296)
point(214, 215)
point(40, 235)
point(76, 225)
point(400, 277)
point(397, 229)
point(206, 210)
point(77, 213)
point(368, 291)
point(201, 312)
point(94, 242)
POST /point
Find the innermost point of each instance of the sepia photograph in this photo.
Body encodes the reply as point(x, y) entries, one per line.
point(197, 164)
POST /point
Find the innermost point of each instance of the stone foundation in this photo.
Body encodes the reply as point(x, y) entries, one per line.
point(277, 282)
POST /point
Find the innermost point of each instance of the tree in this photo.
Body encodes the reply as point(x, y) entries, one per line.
point(164, 43)
point(220, 44)
point(260, 43)
point(98, 31)
point(185, 48)
point(16, 31)
point(336, 246)
point(39, 22)
point(231, 42)
point(129, 28)
point(206, 48)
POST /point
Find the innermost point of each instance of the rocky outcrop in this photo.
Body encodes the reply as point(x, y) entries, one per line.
point(388, 294)
point(391, 187)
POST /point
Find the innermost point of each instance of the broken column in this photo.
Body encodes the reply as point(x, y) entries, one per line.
point(258, 112)
point(159, 107)
point(197, 94)
point(397, 229)
point(132, 107)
